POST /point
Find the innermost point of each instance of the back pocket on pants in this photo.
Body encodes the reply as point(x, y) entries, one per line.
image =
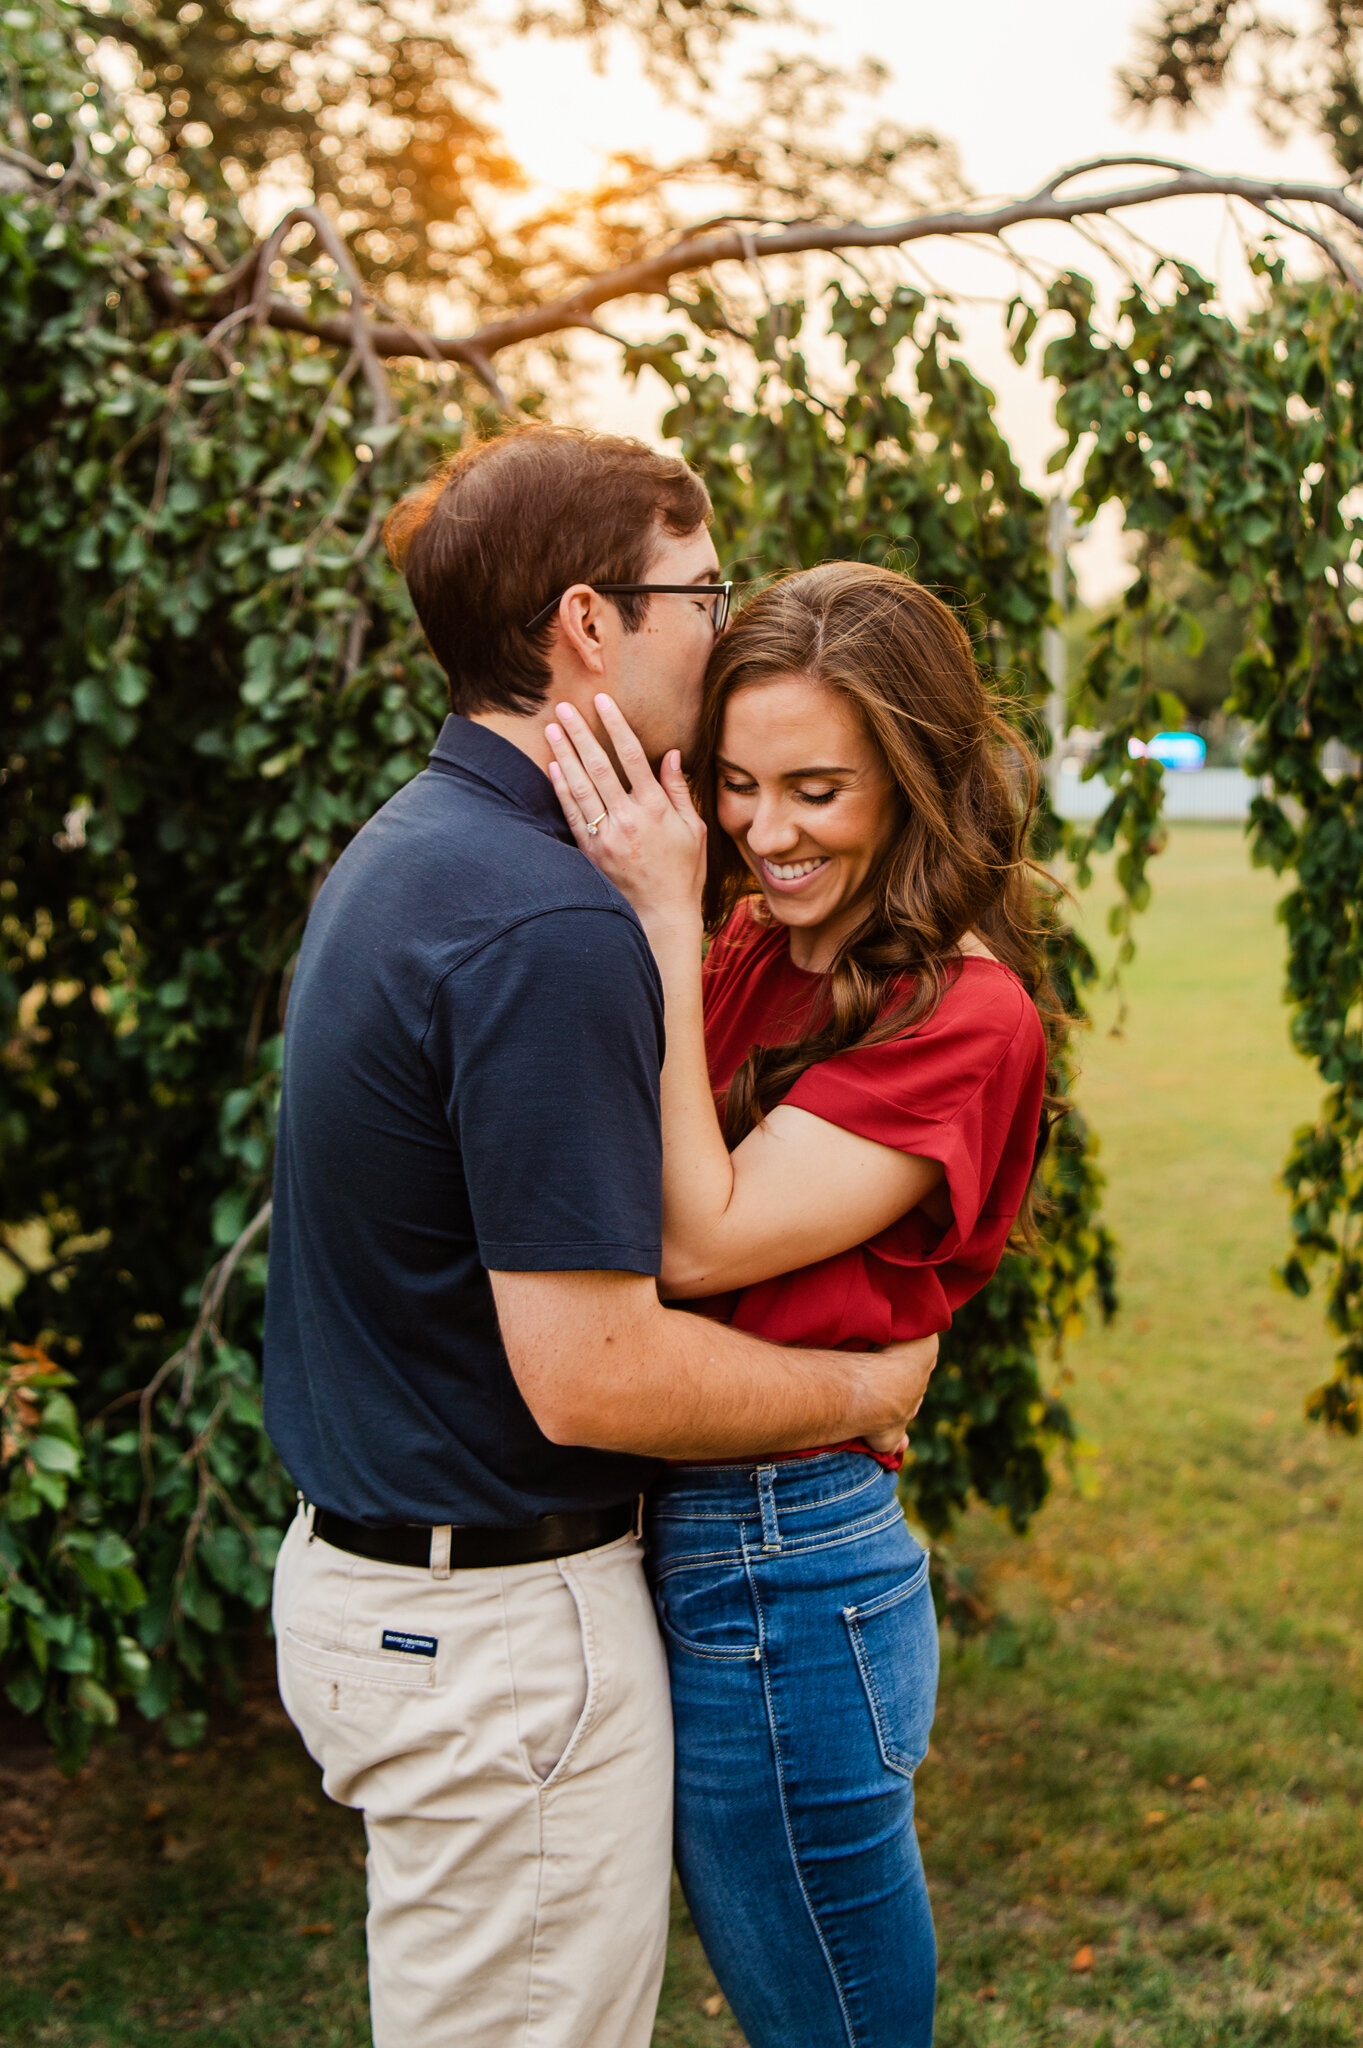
point(894, 1640)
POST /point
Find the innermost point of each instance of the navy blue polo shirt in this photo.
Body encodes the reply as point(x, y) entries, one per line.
point(471, 1067)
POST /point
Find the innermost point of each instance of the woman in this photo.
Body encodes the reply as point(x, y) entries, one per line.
point(869, 1021)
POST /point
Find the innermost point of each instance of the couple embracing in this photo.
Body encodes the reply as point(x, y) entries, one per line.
point(579, 1577)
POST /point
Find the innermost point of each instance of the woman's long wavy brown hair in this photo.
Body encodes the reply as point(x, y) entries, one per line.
point(967, 787)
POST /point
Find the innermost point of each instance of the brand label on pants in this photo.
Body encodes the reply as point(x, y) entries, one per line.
point(411, 1646)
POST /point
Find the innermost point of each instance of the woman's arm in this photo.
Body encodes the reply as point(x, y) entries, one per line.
point(797, 1189)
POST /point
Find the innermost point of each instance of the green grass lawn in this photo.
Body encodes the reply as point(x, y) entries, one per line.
point(1148, 1834)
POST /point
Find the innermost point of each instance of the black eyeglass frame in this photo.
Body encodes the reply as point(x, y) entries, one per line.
point(719, 616)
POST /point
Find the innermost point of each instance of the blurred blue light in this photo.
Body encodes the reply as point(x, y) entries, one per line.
point(1179, 753)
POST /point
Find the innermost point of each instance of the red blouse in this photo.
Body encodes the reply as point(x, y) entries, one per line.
point(965, 1087)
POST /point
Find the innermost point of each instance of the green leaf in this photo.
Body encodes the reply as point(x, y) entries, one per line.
point(54, 1454)
point(89, 1697)
point(25, 1691)
point(133, 1666)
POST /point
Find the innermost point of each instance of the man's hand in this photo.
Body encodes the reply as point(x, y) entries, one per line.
point(914, 1361)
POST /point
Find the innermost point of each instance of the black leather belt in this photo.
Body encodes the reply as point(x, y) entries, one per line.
point(472, 1549)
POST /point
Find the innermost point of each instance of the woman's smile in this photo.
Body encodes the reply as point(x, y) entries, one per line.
point(789, 876)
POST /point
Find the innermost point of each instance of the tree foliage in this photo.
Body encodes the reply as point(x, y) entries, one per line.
point(1306, 74)
point(1238, 442)
point(217, 679)
point(379, 112)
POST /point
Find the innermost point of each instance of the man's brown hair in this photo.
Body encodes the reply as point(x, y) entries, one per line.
point(508, 524)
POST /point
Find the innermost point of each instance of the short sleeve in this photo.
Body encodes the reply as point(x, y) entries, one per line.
point(547, 1048)
point(965, 1089)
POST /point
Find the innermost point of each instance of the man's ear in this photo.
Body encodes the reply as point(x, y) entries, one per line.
point(579, 616)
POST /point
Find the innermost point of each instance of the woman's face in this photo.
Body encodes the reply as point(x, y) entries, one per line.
point(806, 797)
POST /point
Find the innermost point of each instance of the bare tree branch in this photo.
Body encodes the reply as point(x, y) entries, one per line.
point(728, 240)
point(699, 250)
point(361, 334)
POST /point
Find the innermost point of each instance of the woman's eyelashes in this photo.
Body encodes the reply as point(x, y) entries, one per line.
point(804, 796)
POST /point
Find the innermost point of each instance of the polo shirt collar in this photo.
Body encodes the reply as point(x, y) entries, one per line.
point(477, 751)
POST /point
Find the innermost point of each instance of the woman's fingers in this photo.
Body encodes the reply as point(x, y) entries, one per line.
point(676, 786)
point(571, 808)
point(633, 759)
point(575, 778)
point(593, 757)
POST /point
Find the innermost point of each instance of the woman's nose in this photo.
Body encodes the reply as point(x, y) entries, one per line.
point(772, 831)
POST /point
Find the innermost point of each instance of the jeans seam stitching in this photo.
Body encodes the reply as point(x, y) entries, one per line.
point(849, 2030)
point(851, 1532)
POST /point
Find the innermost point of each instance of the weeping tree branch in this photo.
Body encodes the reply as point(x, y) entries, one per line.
point(724, 240)
point(698, 249)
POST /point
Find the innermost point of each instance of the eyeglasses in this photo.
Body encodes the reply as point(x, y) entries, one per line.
point(720, 593)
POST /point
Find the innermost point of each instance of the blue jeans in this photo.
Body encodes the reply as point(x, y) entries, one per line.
point(802, 1645)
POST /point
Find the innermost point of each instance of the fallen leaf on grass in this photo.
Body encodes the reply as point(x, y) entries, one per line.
point(74, 1937)
point(155, 1810)
point(318, 1927)
point(1082, 1961)
point(134, 1927)
point(174, 1849)
point(10, 1882)
point(713, 2006)
point(986, 1993)
point(269, 1865)
point(1156, 1819)
point(1199, 1784)
point(70, 1989)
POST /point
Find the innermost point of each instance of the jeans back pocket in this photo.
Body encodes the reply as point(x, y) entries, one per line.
point(894, 1640)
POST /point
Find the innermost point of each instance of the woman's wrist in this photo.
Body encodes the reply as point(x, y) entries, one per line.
point(674, 926)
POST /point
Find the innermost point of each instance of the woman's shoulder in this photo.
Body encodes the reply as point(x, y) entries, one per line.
point(984, 1031)
point(986, 995)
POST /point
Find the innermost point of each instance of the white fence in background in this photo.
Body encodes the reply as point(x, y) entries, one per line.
point(1205, 794)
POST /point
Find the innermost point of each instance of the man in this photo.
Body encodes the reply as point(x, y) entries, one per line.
point(468, 1370)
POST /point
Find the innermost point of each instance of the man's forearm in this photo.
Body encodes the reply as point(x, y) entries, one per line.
point(697, 1389)
point(601, 1362)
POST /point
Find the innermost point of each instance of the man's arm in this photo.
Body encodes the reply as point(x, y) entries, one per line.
point(601, 1362)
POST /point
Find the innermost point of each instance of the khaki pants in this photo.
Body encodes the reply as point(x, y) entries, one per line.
point(516, 1786)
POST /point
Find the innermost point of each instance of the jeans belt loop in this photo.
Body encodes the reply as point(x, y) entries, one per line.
point(440, 1551)
point(766, 1500)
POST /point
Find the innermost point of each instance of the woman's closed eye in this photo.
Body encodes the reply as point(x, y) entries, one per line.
point(804, 796)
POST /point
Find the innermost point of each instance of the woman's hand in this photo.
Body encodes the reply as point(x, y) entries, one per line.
point(647, 839)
